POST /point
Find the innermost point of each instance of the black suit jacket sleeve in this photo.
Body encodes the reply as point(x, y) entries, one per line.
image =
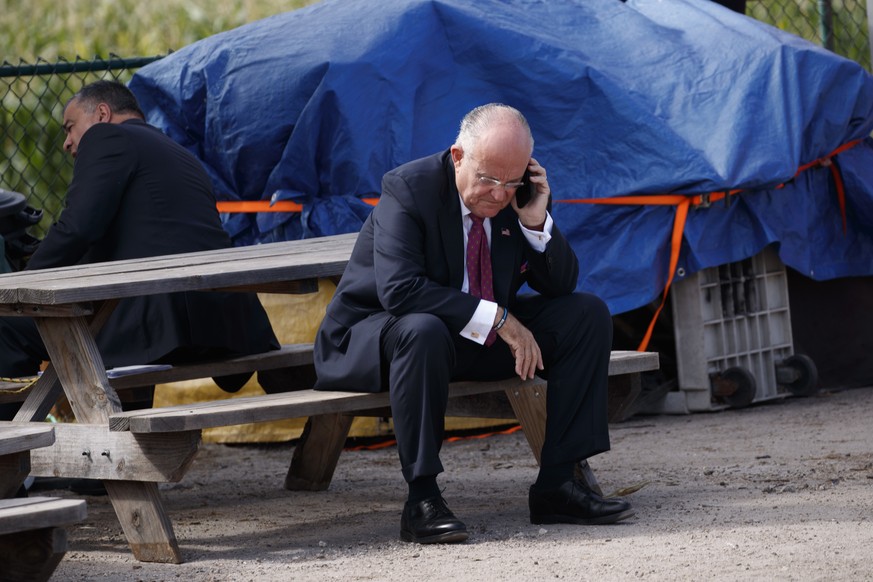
point(407, 275)
point(102, 170)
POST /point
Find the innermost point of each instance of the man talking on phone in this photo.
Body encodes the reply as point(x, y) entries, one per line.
point(430, 296)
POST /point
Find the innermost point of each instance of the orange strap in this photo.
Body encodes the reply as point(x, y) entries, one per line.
point(250, 206)
point(683, 203)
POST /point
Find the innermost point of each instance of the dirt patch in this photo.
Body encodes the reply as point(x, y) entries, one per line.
point(781, 491)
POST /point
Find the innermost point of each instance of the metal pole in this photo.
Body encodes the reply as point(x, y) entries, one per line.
point(870, 30)
point(826, 23)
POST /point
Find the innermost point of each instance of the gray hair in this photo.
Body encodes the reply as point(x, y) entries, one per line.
point(119, 98)
point(482, 118)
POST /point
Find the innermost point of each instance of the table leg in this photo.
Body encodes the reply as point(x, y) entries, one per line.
point(138, 505)
point(317, 452)
point(14, 469)
point(529, 404)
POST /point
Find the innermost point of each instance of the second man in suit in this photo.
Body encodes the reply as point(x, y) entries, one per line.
point(137, 193)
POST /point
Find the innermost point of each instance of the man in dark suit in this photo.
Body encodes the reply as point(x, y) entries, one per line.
point(137, 193)
point(416, 309)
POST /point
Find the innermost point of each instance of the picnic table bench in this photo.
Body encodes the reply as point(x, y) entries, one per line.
point(32, 538)
point(134, 451)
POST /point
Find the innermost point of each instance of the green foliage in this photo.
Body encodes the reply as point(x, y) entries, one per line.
point(68, 28)
point(43, 32)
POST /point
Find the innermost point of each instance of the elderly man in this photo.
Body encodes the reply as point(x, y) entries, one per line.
point(430, 296)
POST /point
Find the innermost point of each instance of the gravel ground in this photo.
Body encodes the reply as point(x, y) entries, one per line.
point(777, 491)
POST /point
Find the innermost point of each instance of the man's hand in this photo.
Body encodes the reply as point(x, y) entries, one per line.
point(528, 358)
point(533, 214)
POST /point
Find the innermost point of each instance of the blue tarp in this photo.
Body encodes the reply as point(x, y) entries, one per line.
point(642, 97)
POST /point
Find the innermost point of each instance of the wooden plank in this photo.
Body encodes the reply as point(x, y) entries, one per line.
point(317, 452)
point(224, 268)
point(143, 517)
point(91, 451)
point(262, 408)
point(156, 264)
point(14, 469)
point(303, 403)
point(627, 362)
point(29, 310)
point(624, 390)
point(16, 437)
point(17, 515)
point(300, 287)
point(32, 556)
point(75, 357)
point(288, 355)
point(80, 368)
point(32, 541)
point(529, 403)
point(16, 441)
point(15, 391)
point(43, 395)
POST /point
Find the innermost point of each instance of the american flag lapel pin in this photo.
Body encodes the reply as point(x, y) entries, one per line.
point(504, 231)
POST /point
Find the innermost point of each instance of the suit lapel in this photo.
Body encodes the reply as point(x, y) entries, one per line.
point(452, 230)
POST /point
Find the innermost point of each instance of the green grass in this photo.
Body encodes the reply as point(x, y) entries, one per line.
point(67, 28)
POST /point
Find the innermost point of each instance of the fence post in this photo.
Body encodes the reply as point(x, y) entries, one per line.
point(870, 31)
point(826, 24)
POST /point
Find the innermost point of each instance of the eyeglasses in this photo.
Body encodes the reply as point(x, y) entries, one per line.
point(494, 183)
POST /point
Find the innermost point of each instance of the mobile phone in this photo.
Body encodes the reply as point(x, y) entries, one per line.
point(525, 192)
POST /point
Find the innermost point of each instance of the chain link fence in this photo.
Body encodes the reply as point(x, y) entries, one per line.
point(842, 26)
point(32, 160)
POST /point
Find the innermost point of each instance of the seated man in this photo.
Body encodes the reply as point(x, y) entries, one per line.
point(137, 193)
point(430, 296)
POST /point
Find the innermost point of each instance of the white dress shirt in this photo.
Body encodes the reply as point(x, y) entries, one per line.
point(483, 318)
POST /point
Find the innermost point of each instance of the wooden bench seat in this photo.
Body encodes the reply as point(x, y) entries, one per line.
point(32, 539)
point(288, 355)
point(16, 442)
point(32, 536)
point(331, 413)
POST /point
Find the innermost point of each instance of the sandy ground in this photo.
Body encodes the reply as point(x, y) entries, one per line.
point(778, 491)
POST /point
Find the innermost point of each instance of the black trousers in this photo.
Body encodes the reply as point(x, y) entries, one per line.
point(21, 347)
point(421, 357)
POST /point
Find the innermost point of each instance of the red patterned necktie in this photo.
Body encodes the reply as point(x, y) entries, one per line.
point(479, 266)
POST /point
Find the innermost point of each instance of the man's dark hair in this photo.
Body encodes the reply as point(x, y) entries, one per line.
point(119, 98)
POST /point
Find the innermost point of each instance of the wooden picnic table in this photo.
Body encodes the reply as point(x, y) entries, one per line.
point(70, 304)
point(134, 451)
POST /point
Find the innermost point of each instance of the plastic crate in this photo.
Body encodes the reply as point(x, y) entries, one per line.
point(732, 327)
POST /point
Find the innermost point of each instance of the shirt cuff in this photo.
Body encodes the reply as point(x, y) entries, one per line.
point(481, 323)
point(536, 239)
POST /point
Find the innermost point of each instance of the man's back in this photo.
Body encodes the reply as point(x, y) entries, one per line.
point(135, 193)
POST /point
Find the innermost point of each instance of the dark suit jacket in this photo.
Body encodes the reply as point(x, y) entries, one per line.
point(409, 258)
point(137, 193)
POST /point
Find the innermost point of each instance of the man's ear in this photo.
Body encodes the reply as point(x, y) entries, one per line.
point(104, 113)
point(457, 154)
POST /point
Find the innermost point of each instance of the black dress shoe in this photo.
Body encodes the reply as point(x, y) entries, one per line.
point(431, 522)
point(573, 502)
